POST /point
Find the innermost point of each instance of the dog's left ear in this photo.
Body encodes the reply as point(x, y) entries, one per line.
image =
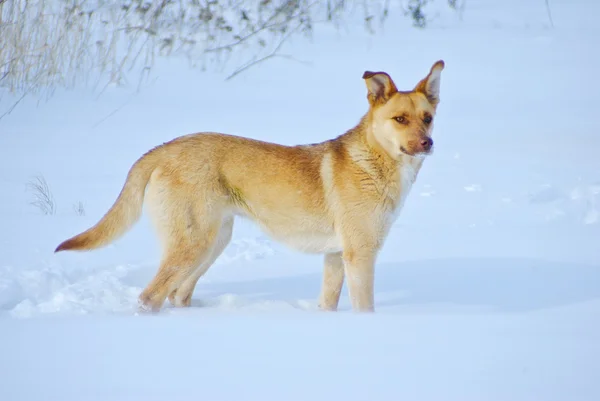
point(380, 86)
point(430, 85)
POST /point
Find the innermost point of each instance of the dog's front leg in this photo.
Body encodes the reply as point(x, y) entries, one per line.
point(333, 279)
point(359, 266)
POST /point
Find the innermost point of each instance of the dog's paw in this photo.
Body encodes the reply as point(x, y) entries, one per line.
point(146, 307)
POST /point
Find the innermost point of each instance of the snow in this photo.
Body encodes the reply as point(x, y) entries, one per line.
point(488, 287)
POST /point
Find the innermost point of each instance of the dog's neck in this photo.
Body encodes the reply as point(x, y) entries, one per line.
point(369, 139)
point(362, 137)
point(372, 157)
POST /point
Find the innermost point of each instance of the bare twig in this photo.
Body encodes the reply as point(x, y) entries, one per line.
point(549, 13)
point(274, 53)
point(115, 111)
point(14, 105)
point(461, 9)
point(260, 60)
point(265, 26)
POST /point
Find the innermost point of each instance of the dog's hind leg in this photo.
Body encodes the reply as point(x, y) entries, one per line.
point(188, 232)
point(182, 257)
point(182, 296)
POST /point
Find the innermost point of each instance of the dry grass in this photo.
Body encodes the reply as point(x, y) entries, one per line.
point(47, 44)
point(42, 196)
point(79, 208)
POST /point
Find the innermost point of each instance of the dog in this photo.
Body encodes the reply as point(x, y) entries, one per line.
point(338, 198)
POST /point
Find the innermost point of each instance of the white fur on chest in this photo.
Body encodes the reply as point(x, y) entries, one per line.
point(407, 173)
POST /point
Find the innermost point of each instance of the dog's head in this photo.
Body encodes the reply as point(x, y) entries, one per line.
point(402, 121)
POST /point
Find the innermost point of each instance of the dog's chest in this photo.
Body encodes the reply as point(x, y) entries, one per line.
point(408, 175)
point(397, 191)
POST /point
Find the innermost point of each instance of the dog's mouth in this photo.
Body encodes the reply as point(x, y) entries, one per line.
point(420, 154)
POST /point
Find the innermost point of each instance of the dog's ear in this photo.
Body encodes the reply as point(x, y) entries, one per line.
point(380, 86)
point(430, 85)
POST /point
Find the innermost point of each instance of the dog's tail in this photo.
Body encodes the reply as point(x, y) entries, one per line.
point(126, 210)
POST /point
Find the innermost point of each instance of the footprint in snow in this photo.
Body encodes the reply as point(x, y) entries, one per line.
point(580, 203)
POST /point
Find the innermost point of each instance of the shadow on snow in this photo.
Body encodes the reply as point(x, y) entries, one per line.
point(510, 285)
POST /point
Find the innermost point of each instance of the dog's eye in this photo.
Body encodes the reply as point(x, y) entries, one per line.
point(427, 119)
point(401, 119)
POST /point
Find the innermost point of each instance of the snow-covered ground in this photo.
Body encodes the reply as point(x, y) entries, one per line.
point(488, 287)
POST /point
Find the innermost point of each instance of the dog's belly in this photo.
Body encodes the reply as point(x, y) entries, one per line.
point(311, 243)
point(303, 238)
point(304, 232)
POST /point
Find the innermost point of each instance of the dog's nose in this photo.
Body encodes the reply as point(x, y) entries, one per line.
point(427, 143)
